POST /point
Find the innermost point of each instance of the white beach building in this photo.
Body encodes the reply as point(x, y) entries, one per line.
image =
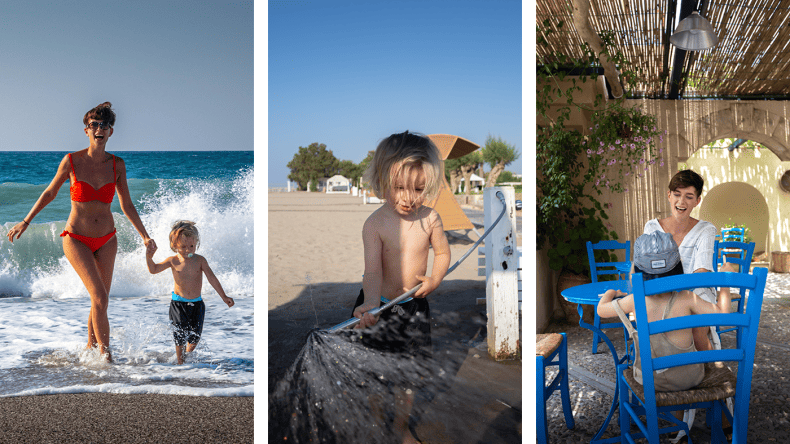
point(476, 181)
point(338, 184)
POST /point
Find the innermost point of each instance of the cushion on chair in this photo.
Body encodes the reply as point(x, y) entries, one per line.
point(719, 383)
point(546, 344)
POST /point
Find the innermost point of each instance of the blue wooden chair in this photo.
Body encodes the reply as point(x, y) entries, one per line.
point(744, 262)
point(719, 382)
point(735, 234)
point(744, 250)
point(552, 350)
point(617, 269)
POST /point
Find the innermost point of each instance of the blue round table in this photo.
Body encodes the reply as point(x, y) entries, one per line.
point(590, 294)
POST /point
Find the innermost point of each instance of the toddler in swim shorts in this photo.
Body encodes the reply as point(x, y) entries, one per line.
point(187, 309)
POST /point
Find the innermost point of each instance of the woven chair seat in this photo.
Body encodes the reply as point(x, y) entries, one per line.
point(719, 383)
point(547, 343)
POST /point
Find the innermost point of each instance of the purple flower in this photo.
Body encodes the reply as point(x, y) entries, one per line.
point(661, 164)
point(601, 143)
point(597, 182)
point(589, 153)
point(627, 173)
point(633, 146)
point(617, 141)
point(641, 161)
point(611, 148)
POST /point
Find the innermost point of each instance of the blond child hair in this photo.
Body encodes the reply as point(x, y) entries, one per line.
point(400, 153)
point(184, 228)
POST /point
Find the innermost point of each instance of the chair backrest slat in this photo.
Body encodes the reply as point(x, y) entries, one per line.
point(745, 252)
point(724, 355)
point(596, 267)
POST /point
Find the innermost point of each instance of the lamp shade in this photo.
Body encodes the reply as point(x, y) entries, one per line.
point(694, 33)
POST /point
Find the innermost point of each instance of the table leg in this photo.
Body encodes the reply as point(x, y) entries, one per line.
point(596, 439)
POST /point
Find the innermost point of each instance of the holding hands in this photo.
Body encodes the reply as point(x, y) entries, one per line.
point(150, 248)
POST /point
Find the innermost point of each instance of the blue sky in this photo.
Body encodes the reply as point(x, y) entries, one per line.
point(178, 73)
point(349, 73)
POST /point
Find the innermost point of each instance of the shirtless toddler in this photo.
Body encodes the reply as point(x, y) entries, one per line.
point(406, 170)
point(187, 309)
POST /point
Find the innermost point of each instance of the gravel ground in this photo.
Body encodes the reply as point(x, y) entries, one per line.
point(592, 378)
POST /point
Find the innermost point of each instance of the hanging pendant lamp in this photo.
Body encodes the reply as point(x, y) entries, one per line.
point(694, 33)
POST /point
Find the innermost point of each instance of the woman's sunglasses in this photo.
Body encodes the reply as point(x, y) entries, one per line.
point(102, 125)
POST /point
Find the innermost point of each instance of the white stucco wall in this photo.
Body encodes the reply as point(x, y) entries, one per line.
point(760, 170)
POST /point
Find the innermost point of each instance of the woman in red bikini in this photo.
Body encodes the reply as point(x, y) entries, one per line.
point(89, 241)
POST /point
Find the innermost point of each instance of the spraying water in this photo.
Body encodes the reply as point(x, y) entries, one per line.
point(348, 385)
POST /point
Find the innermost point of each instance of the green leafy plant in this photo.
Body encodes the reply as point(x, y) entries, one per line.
point(574, 168)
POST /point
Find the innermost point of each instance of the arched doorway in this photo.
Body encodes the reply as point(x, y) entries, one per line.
point(738, 203)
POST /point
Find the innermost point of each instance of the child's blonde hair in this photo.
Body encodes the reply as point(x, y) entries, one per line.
point(402, 152)
point(184, 228)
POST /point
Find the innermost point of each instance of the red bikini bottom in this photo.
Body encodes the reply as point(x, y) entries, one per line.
point(94, 243)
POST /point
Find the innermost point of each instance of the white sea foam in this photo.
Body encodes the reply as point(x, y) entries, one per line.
point(43, 325)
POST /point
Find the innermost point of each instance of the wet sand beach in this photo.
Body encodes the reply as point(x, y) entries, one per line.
point(118, 418)
point(315, 274)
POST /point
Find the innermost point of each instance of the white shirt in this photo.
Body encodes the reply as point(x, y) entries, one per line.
point(696, 251)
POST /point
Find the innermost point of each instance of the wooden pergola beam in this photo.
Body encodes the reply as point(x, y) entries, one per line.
point(581, 19)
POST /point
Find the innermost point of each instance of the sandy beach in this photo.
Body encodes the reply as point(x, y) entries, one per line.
point(315, 274)
point(116, 418)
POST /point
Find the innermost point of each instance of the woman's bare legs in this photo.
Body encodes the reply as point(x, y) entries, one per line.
point(95, 270)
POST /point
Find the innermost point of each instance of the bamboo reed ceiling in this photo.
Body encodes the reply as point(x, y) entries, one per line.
point(751, 59)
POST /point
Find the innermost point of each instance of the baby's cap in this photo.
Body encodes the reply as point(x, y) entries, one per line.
point(655, 253)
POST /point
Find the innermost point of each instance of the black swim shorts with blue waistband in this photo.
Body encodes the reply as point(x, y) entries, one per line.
point(406, 326)
point(187, 320)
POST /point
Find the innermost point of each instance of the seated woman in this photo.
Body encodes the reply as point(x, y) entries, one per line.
point(694, 237)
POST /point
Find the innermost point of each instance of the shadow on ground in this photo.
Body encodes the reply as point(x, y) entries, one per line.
point(482, 404)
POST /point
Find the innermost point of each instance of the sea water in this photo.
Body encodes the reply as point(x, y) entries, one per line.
point(44, 305)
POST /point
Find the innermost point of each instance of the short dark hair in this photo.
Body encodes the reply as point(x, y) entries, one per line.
point(676, 270)
point(101, 112)
point(687, 178)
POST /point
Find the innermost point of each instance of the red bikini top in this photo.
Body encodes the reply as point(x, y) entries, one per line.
point(84, 192)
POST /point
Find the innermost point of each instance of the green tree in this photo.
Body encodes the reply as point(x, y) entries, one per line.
point(498, 154)
point(350, 170)
point(366, 161)
point(452, 170)
point(312, 163)
point(507, 176)
point(469, 164)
